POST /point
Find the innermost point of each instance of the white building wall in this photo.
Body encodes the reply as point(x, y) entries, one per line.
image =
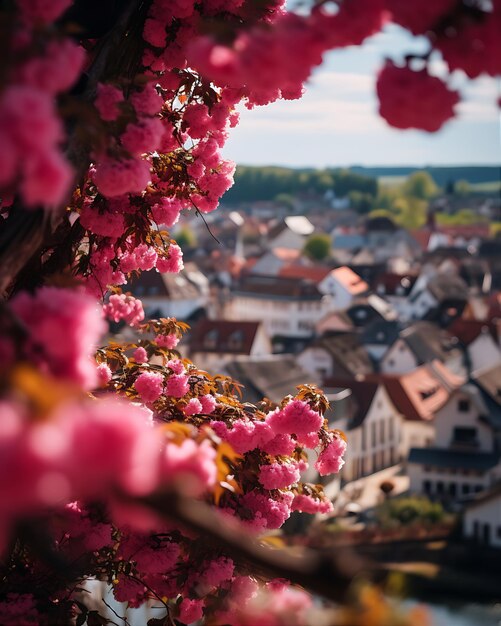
point(294, 318)
point(399, 359)
point(374, 445)
point(315, 361)
point(483, 352)
point(450, 416)
point(443, 483)
point(482, 515)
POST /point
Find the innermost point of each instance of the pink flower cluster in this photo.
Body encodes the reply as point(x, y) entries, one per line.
point(90, 450)
point(279, 475)
point(63, 328)
point(150, 386)
point(401, 103)
point(123, 307)
point(31, 133)
point(330, 460)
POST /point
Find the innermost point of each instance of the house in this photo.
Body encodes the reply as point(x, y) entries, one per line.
point(417, 396)
point(334, 322)
point(462, 455)
point(482, 518)
point(378, 336)
point(172, 295)
point(273, 377)
point(342, 285)
point(373, 427)
point(421, 343)
point(273, 261)
point(215, 342)
point(367, 309)
point(479, 342)
point(287, 307)
point(291, 232)
point(441, 298)
point(339, 355)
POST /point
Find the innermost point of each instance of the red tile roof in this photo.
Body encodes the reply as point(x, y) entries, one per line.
point(315, 274)
point(223, 337)
point(350, 280)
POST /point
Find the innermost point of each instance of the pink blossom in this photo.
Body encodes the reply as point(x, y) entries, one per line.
point(123, 307)
point(147, 101)
point(330, 460)
point(176, 366)
point(57, 69)
point(190, 610)
point(43, 10)
point(149, 386)
point(270, 512)
point(173, 263)
point(194, 407)
point(296, 418)
point(278, 475)
point(19, 610)
point(129, 590)
point(140, 355)
point(308, 504)
point(177, 385)
point(102, 222)
point(166, 211)
point(216, 572)
point(143, 136)
point(103, 374)
point(245, 435)
point(114, 178)
point(192, 463)
point(279, 445)
point(169, 341)
point(52, 313)
point(47, 179)
point(107, 99)
point(208, 403)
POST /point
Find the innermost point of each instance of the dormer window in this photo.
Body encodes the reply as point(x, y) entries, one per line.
point(464, 405)
point(236, 340)
point(210, 339)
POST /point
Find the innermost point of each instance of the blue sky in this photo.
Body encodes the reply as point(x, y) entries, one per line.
point(336, 122)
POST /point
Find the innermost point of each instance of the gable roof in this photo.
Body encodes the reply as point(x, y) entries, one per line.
point(261, 286)
point(381, 332)
point(427, 341)
point(347, 352)
point(467, 330)
point(350, 280)
point(362, 395)
point(153, 284)
point(308, 272)
point(223, 336)
point(273, 377)
point(418, 394)
point(448, 287)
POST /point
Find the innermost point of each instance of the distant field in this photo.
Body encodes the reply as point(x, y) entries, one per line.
point(391, 181)
point(491, 187)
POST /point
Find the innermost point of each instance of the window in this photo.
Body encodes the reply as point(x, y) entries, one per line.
point(210, 339)
point(464, 405)
point(465, 489)
point(427, 486)
point(465, 436)
point(390, 429)
point(440, 487)
point(373, 433)
point(236, 340)
point(381, 431)
point(364, 436)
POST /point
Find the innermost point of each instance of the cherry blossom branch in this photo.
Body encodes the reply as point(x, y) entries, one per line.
point(326, 574)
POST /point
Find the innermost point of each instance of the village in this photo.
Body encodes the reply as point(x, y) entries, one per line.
point(401, 328)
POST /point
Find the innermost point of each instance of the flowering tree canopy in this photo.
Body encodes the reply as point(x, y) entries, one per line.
point(113, 115)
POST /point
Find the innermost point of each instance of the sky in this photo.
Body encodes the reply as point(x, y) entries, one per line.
point(336, 122)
